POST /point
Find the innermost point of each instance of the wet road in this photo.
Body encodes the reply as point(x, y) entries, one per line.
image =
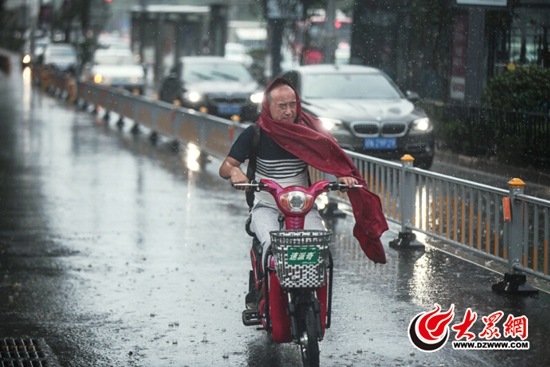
point(117, 252)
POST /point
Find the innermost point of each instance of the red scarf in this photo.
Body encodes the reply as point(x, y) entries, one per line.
point(308, 140)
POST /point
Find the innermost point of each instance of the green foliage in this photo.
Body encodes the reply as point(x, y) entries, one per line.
point(526, 89)
point(465, 137)
point(511, 150)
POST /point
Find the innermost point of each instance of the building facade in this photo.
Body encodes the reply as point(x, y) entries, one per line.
point(447, 50)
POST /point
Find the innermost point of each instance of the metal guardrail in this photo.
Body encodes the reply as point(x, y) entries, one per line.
point(508, 227)
point(505, 226)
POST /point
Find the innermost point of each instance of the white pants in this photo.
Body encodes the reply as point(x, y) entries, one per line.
point(265, 218)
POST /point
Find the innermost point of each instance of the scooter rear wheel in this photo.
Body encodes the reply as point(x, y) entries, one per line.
point(309, 342)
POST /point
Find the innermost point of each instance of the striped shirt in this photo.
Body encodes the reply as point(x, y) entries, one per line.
point(272, 162)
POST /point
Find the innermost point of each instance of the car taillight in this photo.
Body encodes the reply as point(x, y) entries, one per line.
point(296, 201)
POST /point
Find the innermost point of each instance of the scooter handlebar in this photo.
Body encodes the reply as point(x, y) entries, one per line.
point(257, 185)
point(333, 186)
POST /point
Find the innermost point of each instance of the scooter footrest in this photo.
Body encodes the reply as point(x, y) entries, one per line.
point(252, 317)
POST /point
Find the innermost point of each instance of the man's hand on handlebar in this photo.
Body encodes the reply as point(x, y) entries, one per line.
point(238, 177)
point(348, 181)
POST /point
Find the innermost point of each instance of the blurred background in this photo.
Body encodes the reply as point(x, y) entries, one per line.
point(422, 44)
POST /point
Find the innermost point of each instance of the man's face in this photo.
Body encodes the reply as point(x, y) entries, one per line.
point(283, 104)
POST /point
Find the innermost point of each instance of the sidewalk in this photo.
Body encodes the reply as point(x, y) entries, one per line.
point(493, 167)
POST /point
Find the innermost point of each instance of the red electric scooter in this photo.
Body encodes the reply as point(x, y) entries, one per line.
point(291, 298)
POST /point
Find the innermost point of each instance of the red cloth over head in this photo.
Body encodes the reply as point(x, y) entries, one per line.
point(308, 140)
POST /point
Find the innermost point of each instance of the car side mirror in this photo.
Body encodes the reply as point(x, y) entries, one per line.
point(412, 96)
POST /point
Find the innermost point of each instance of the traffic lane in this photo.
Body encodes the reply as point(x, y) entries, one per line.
point(123, 261)
point(363, 291)
point(434, 277)
point(366, 293)
point(419, 279)
point(106, 291)
point(382, 301)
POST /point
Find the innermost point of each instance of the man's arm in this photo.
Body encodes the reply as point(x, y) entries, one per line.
point(230, 169)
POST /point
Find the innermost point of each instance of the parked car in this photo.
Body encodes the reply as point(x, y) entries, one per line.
point(60, 56)
point(116, 68)
point(365, 111)
point(213, 85)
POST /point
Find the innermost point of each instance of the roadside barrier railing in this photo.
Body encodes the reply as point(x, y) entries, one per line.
point(506, 226)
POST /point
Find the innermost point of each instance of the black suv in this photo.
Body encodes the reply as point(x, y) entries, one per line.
point(215, 86)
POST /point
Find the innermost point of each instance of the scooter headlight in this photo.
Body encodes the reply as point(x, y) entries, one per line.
point(296, 201)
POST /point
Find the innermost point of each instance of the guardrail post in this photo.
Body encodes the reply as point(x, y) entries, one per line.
point(71, 90)
point(407, 195)
point(515, 281)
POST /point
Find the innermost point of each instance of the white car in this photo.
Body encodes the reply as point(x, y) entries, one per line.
point(116, 68)
point(59, 56)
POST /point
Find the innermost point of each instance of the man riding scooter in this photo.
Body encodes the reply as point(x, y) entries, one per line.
point(290, 140)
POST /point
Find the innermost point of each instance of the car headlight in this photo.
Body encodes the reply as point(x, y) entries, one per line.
point(330, 123)
point(192, 96)
point(98, 78)
point(257, 97)
point(422, 125)
point(27, 59)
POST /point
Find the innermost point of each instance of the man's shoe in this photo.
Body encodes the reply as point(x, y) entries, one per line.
point(250, 300)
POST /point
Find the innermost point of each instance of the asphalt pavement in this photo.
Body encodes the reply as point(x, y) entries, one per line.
point(117, 252)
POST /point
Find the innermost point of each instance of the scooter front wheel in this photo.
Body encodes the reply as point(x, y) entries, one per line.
point(309, 340)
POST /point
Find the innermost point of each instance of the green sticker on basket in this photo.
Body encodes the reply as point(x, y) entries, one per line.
point(302, 255)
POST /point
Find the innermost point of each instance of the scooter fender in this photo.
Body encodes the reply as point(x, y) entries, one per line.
point(322, 296)
point(278, 304)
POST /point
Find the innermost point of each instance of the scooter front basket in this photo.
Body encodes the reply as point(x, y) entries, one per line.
point(301, 257)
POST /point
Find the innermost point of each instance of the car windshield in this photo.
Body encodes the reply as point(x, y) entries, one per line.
point(349, 86)
point(113, 59)
point(215, 72)
point(63, 52)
